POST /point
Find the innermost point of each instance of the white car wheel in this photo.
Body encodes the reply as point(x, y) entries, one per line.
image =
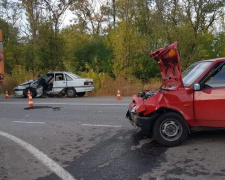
point(71, 92)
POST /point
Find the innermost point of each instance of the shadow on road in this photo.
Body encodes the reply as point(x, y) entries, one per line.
point(126, 155)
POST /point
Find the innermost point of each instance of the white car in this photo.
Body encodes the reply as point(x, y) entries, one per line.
point(56, 83)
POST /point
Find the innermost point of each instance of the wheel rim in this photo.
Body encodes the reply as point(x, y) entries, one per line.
point(171, 129)
point(70, 92)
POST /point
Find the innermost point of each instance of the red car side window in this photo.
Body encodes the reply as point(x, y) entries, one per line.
point(217, 79)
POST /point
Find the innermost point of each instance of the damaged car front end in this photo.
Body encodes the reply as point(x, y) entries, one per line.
point(33, 85)
point(148, 106)
point(136, 109)
point(144, 109)
point(192, 99)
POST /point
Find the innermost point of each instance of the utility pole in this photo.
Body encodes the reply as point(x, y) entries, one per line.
point(114, 13)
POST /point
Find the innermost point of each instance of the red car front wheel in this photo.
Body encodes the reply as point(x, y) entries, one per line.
point(170, 129)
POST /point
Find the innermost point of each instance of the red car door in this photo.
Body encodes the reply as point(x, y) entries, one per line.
point(209, 102)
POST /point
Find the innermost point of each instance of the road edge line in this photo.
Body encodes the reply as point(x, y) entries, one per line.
point(48, 162)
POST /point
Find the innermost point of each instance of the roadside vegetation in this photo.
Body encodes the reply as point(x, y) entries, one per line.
point(108, 40)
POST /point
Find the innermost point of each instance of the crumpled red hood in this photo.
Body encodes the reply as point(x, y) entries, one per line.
point(169, 63)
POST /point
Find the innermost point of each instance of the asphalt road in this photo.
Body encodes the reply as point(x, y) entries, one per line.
point(89, 138)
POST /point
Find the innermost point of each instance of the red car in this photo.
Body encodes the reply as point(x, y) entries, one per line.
point(194, 98)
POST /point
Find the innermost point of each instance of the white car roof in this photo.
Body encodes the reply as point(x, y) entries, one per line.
point(69, 73)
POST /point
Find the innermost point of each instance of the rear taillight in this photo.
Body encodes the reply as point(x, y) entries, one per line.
point(88, 83)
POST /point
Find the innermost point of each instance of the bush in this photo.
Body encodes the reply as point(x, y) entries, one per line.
point(107, 86)
point(8, 84)
point(19, 75)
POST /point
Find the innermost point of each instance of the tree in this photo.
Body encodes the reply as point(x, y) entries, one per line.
point(10, 11)
point(12, 47)
point(201, 15)
point(85, 52)
point(89, 15)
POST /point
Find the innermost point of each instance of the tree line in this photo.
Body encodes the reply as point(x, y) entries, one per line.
point(110, 37)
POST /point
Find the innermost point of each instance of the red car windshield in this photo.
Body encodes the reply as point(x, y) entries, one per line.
point(194, 71)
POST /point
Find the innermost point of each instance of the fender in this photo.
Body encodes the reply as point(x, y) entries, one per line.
point(180, 101)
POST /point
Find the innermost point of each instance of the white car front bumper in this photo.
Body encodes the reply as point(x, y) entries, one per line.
point(18, 91)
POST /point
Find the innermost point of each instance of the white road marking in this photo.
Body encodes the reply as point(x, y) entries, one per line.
point(52, 165)
point(29, 122)
point(100, 125)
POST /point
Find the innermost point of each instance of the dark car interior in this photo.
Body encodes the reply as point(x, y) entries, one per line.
point(46, 82)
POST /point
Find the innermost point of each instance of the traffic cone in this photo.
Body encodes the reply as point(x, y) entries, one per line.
point(30, 101)
point(28, 94)
point(6, 95)
point(118, 95)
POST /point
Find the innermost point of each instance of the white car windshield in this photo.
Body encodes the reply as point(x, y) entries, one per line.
point(194, 71)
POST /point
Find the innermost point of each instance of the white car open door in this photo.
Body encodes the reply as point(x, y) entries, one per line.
point(59, 83)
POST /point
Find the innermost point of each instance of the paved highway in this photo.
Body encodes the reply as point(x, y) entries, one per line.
point(89, 138)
